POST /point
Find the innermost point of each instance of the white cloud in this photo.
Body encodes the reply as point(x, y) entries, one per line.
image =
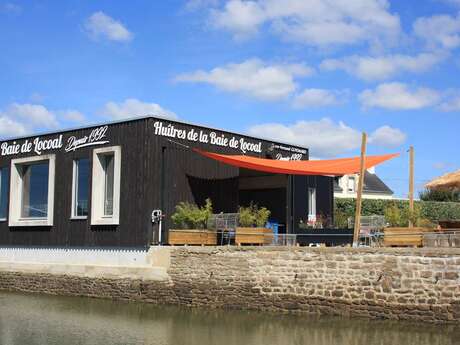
point(100, 25)
point(398, 96)
point(253, 78)
point(21, 119)
point(32, 114)
point(317, 98)
point(387, 136)
point(379, 68)
point(10, 128)
point(132, 107)
point(439, 30)
point(72, 115)
point(240, 18)
point(324, 137)
point(451, 104)
point(317, 23)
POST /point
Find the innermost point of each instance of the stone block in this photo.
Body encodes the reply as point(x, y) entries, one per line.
point(451, 275)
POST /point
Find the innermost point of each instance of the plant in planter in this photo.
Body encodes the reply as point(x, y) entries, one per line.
point(252, 230)
point(190, 223)
point(191, 216)
point(253, 216)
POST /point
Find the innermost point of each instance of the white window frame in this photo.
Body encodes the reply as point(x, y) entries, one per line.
point(15, 218)
point(98, 187)
point(74, 190)
point(312, 203)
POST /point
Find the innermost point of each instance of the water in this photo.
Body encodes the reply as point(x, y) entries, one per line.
point(37, 320)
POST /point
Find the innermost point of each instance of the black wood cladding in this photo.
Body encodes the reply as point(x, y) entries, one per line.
point(156, 173)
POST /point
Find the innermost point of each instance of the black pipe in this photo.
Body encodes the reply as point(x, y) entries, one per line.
point(162, 188)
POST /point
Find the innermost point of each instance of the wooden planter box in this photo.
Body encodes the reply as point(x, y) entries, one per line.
point(254, 236)
point(192, 237)
point(404, 237)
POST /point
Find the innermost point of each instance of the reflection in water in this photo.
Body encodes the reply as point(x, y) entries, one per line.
point(37, 320)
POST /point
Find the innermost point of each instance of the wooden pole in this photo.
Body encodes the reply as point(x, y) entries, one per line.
point(411, 185)
point(360, 191)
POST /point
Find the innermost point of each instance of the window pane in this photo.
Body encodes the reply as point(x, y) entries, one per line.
point(4, 182)
point(81, 187)
point(35, 190)
point(109, 171)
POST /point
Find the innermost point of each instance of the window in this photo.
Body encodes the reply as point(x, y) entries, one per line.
point(80, 191)
point(105, 198)
point(312, 204)
point(4, 182)
point(32, 191)
point(351, 184)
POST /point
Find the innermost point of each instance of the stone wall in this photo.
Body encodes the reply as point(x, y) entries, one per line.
point(411, 284)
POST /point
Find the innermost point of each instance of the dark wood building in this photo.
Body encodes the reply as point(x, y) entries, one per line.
point(97, 186)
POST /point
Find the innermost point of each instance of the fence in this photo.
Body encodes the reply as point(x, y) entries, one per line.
point(450, 239)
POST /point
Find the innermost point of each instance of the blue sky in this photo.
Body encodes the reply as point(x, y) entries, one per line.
point(316, 73)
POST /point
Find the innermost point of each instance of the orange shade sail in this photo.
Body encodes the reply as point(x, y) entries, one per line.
point(331, 167)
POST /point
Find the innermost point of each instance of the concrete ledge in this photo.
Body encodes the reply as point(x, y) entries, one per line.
point(87, 271)
point(84, 256)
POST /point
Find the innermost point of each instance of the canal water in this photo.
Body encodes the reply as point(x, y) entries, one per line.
point(47, 320)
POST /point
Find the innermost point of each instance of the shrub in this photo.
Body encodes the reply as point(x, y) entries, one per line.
point(393, 216)
point(262, 215)
point(190, 216)
point(340, 220)
point(246, 218)
point(440, 195)
point(253, 216)
point(432, 211)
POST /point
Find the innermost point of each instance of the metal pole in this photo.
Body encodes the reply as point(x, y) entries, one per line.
point(360, 191)
point(411, 185)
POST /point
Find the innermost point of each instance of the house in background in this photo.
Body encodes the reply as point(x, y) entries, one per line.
point(374, 188)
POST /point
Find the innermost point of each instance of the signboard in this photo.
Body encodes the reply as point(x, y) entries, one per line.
point(207, 137)
point(220, 139)
point(38, 145)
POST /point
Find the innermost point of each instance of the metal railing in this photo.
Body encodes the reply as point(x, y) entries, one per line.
point(368, 222)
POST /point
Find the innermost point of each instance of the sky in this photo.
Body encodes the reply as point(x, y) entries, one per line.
point(315, 73)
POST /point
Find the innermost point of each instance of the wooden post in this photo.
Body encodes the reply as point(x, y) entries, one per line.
point(411, 185)
point(360, 191)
